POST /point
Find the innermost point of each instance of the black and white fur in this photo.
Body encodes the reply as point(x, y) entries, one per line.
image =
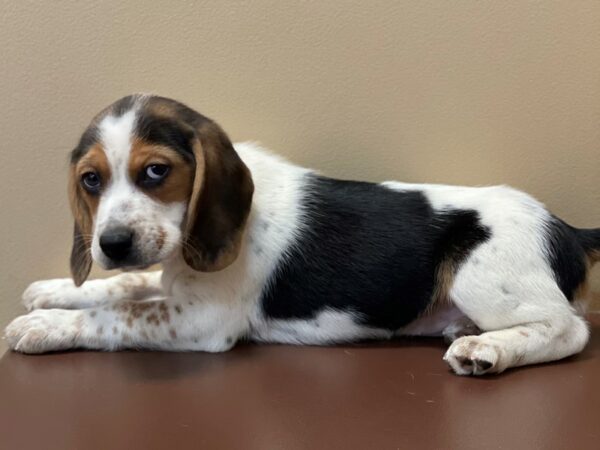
point(326, 261)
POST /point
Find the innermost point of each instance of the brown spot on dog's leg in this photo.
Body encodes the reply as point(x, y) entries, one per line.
point(164, 313)
point(99, 330)
point(153, 319)
point(173, 333)
point(121, 307)
point(178, 309)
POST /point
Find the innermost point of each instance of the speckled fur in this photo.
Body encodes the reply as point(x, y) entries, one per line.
point(504, 289)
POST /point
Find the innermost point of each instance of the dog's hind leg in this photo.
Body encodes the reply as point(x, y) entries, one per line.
point(529, 343)
point(524, 316)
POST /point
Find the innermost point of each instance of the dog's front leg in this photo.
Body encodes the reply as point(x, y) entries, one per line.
point(161, 324)
point(63, 294)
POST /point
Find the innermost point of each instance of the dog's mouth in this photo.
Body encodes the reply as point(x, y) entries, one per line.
point(127, 265)
point(135, 267)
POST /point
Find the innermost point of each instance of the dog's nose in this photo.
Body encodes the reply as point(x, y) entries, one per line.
point(116, 243)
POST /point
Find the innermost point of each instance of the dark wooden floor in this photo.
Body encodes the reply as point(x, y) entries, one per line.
point(380, 396)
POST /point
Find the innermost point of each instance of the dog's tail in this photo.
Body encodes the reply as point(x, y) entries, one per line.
point(590, 240)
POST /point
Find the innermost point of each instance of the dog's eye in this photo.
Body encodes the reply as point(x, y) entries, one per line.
point(155, 173)
point(91, 182)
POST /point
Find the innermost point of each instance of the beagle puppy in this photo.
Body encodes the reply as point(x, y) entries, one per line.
point(254, 247)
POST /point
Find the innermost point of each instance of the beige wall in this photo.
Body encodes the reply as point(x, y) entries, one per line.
point(467, 92)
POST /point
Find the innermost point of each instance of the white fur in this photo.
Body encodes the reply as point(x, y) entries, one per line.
point(123, 204)
point(62, 293)
point(505, 286)
point(328, 326)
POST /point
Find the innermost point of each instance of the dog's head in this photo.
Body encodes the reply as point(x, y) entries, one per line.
point(151, 177)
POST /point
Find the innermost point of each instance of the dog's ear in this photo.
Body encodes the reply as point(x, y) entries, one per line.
point(220, 201)
point(81, 258)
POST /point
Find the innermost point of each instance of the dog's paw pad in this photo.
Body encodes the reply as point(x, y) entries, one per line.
point(483, 365)
point(471, 355)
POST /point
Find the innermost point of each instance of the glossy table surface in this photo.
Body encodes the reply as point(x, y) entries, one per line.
point(375, 396)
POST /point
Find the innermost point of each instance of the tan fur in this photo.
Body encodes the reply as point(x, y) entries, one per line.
point(215, 229)
point(441, 290)
point(84, 207)
point(583, 291)
point(177, 187)
point(161, 108)
point(444, 280)
point(217, 187)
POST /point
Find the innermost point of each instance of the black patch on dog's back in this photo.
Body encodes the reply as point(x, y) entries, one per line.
point(369, 250)
point(567, 256)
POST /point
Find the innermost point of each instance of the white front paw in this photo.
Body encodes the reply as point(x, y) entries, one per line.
point(46, 294)
point(44, 330)
point(475, 355)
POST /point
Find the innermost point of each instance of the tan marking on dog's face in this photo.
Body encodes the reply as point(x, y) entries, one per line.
point(177, 186)
point(211, 188)
point(95, 160)
point(161, 109)
point(84, 206)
